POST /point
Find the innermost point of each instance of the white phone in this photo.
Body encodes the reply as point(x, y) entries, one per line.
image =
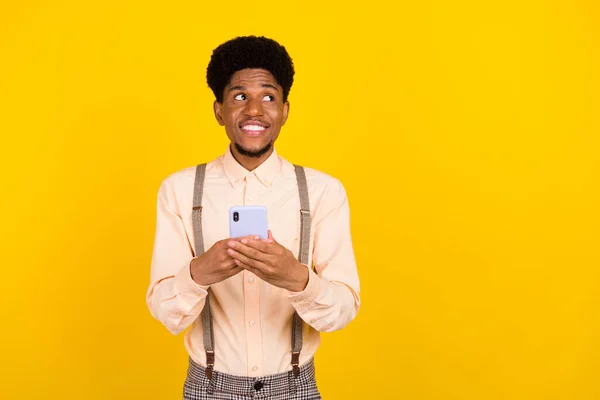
point(248, 220)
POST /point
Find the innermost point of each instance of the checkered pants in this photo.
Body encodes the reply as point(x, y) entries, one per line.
point(283, 386)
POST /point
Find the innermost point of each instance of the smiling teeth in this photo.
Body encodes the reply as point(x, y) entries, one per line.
point(255, 128)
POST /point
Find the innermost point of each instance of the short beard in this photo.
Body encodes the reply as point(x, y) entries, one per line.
point(253, 154)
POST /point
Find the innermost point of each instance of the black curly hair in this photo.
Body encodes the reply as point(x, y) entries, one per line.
point(249, 52)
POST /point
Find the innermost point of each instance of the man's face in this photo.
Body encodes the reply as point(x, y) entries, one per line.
point(252, 112)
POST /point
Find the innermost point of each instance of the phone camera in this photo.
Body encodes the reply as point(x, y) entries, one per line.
point(236, 216)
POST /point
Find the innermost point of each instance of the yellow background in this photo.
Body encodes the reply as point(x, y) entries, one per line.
point(465, 132)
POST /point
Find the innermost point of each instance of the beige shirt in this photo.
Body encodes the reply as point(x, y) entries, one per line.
point(253, 319)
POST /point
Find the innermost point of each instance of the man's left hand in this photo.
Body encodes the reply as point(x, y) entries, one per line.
point(270, 261)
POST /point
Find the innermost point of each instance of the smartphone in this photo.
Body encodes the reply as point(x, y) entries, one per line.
point(248, 220)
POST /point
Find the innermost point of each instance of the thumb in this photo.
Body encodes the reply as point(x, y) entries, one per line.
point(270, 238)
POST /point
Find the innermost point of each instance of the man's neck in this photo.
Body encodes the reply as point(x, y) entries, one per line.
point(250, 163)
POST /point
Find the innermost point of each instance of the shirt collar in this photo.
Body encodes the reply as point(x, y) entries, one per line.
point(265, 172)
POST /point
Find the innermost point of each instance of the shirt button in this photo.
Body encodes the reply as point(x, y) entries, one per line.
point(254, 368)
point(252, 323)
point(251, 279)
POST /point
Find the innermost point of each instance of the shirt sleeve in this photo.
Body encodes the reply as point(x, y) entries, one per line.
point(331, 298)
point(173, 297)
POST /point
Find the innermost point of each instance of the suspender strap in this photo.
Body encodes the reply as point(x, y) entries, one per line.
point(304, 215)
point(303, 258)
point(206, 316)
point(197, 209)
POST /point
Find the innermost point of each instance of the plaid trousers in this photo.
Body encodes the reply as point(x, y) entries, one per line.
point(283, 386)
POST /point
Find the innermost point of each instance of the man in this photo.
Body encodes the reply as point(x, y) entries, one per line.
point(255, 309)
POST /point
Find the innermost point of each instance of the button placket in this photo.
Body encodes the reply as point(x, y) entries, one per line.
point(252, 188)
point(252, 294)
point(253, 328)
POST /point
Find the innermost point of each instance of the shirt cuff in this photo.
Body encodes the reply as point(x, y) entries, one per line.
point(304, 299)
point(187, 289)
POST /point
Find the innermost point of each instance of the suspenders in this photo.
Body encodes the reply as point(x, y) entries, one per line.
point(207, 326)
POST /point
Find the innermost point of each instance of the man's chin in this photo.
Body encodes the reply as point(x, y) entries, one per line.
point(253, 153)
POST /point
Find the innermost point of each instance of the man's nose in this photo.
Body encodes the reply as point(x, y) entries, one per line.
point(254, 107)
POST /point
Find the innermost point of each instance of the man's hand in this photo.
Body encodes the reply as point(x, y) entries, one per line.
point(215, 265)
point(270, 261)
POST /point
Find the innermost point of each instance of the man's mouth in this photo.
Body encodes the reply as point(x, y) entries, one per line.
point(253, 128)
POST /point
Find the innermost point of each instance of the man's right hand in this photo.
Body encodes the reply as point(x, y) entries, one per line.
point(215, 265)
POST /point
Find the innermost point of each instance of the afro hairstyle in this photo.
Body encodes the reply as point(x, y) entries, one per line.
point(249, 52)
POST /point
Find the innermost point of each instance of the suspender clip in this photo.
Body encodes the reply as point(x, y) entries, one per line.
point(295, 363)
point(210, 364)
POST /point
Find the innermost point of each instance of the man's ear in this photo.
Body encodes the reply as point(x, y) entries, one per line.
point(286, 110)
point(218, 108)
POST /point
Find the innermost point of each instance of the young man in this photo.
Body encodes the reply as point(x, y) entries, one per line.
point(255, 306)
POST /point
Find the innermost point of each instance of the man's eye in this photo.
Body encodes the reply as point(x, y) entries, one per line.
point(269, 97)
point(240, 97)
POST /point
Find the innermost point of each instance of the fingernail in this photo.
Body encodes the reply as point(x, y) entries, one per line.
point(244, 241)
point(231, 244)
point(256, 237)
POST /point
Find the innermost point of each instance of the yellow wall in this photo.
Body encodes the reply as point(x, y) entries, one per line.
point(466, 134)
